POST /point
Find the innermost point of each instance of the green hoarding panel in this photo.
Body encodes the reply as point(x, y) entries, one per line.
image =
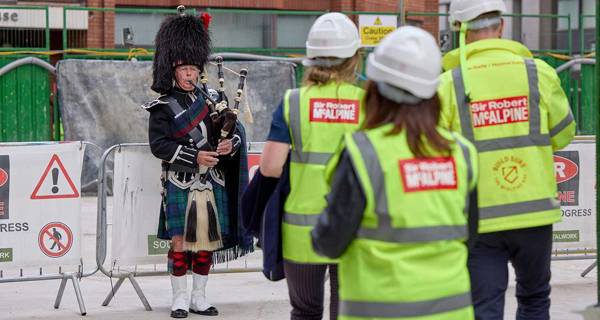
point(589, 109)
point(572, 89)
point(25, 104)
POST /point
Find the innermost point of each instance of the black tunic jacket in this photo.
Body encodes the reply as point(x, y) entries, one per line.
point(161, 131)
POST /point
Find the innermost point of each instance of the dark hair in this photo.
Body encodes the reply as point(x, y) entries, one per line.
point(419, 120)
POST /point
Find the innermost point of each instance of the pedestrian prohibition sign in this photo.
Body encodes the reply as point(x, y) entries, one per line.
point(55, 239)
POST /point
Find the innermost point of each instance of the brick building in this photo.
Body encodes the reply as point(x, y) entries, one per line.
point(283, 26)
point(258, 31)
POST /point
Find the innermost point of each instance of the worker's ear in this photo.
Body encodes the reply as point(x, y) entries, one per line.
point(501, 28)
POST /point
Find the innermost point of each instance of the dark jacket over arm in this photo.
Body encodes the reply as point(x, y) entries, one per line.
point(341, 218)
point(473, 218)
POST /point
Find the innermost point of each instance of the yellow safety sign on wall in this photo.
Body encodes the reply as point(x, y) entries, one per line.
point(373, 28)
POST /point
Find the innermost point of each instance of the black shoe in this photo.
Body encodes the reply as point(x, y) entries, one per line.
point(179, 313)
point(212, 311)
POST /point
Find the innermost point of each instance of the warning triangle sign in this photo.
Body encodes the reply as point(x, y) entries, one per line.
point(55, 182)
point(378, 22)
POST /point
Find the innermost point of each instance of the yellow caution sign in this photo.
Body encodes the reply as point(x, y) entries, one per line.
point(371, 36)
point(373, 28)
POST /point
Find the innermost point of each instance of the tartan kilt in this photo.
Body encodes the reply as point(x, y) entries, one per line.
point(172, 216)
point(176, 200)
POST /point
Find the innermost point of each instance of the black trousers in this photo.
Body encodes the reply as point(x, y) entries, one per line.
point(529, 251)
point(306, 284)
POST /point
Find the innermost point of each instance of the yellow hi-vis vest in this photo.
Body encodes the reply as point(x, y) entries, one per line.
point(517, 187)
point(409, 259)
point(515, 122)
point(318, 117)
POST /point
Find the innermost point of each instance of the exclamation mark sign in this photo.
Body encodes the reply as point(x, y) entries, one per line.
point(55, 180)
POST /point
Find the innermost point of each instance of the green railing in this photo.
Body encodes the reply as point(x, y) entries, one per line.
point(25, 109)
point(81, 45)
point(508, 21)
point(582, 33)
point(268, 27)
point(262, 25)
point(274, 32)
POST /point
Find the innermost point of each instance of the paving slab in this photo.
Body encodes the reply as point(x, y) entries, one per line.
point(239, 296)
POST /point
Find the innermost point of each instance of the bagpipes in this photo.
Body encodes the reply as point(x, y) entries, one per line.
point(203, 231)
point(224, 117)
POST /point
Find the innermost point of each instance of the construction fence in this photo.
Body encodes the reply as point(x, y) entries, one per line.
point(29, 110)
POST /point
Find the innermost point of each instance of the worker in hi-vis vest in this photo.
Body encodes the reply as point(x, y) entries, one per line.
point(512, 107)
point(312, 121)
point(401, 191)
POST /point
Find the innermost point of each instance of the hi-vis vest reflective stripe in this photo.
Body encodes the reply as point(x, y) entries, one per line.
point(301, 156)
point(384, 230)
point(500, 146)
point(374, 282)
point(318, 117)
point(298, 153)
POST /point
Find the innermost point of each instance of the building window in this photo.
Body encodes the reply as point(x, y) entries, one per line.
point(568, 7)
point(229, 30)
point(293, 30)
point(139, 28)
point(589, 9)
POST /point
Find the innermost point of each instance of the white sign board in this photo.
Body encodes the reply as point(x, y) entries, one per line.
point(136, 204)
point(36, 18)
point(575, 172)
point(373, 28)
point(40, 204)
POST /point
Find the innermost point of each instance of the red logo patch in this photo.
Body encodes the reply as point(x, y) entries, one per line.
point(500, 111)
point(428, 174)
point(564, 169)
point(3, 177)
point(334, 110)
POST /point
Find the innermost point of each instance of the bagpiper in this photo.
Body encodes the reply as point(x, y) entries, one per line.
point(203, 173)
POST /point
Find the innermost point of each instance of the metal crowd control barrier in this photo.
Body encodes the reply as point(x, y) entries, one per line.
point(584, 185)
point(568, 65)
point(74, 277)
point(102, 238)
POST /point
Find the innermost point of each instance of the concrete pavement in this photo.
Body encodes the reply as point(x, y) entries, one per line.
point(246, 296)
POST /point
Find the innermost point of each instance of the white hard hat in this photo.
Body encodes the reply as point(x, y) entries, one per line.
point(409, 59)
point(332, 35)
point(467, 10)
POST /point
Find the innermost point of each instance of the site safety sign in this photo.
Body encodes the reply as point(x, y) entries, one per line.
point(40, 204)
point(55, 239)
point(575, 172)
point(48, 186)
point(373, 28)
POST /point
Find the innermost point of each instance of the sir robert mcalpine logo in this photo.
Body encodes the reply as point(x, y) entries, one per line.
point(428, 174)
point(500, 111)
point(334, 110)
